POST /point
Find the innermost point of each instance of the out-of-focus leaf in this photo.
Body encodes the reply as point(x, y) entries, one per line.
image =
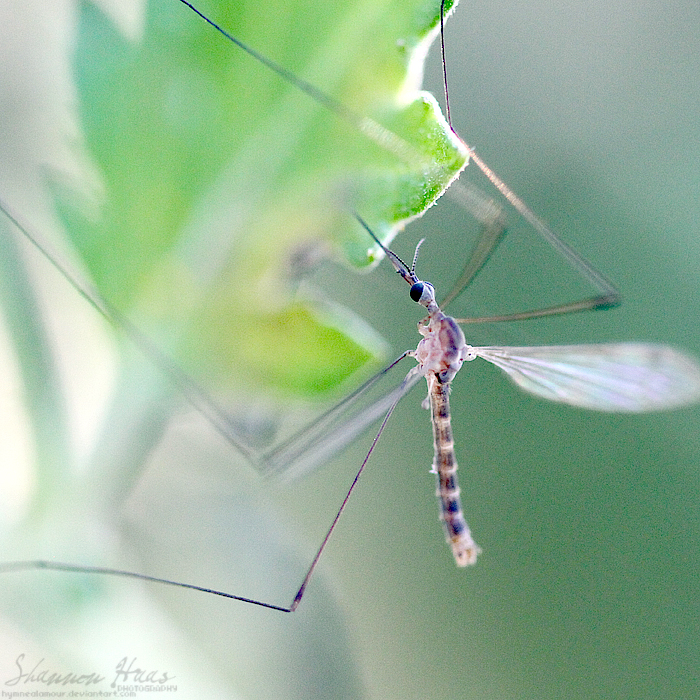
point(217, 173)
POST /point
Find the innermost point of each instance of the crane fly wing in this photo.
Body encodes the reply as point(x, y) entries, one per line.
point(616, 377)
point(335, 429)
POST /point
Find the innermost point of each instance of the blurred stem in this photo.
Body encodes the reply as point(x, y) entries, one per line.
point(45, 400)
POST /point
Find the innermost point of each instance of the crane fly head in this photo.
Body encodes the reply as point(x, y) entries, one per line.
point(421, 292)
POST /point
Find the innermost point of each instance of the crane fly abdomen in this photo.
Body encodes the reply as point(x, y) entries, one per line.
point(457, 532)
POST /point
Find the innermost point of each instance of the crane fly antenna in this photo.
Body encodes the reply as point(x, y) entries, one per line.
point(408, 273)
point(415, 255)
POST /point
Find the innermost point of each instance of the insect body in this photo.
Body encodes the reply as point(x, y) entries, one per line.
point(616, 377)
point(440, 354)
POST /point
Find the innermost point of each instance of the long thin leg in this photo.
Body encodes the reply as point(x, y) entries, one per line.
point(182, 381)
point(309, 573)
point(322, 438)
point(8, 567)
point(494, 229)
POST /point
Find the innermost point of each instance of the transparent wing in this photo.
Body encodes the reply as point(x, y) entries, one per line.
point(616, 377)
point(334, 430)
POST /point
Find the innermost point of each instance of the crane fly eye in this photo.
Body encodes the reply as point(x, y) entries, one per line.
point(417, 291)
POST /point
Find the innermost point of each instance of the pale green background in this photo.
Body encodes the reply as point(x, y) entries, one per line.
point(588, 584)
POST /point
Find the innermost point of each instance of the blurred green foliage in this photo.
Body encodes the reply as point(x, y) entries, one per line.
point(588, 584)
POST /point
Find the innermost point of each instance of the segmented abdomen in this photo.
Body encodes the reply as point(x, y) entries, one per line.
point(457, 532)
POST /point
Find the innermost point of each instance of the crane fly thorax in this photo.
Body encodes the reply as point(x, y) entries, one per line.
point(443, 348)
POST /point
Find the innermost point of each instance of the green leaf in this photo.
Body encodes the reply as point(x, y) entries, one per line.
point(196, 189)
point(217, 173)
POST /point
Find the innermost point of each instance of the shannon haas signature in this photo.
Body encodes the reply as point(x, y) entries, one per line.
point(126, 672)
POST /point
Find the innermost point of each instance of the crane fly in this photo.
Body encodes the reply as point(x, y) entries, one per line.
point(630, 377)
point(621, 377)
point(615, 377)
